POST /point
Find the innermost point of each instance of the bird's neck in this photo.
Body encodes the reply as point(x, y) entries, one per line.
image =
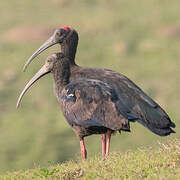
point(69, 46)
point(61, 75)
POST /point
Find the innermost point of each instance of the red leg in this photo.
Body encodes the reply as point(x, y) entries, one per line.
point(83, 149)
point(108, 139)
point(103, 145)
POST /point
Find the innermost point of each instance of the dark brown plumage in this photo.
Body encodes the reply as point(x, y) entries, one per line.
point(100, 101)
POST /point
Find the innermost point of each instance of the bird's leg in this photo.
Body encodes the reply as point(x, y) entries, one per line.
point(108, 139)
point(103, 145)
point(83, 149)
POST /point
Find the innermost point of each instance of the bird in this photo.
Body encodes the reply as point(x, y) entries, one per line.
point(134, 103)
point(90, 106)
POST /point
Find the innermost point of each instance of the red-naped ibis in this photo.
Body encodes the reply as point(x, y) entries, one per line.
point(132, 103)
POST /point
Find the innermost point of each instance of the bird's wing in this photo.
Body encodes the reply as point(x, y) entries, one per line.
point(94, 103)
point(149, 113)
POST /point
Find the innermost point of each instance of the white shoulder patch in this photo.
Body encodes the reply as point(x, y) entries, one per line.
point(70, 95)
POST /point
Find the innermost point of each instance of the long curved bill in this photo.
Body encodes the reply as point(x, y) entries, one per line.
point(37, 76)
point(50, 42)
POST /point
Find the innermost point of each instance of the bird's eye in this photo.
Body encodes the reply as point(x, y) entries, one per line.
point(48, 61)
point(58, 33)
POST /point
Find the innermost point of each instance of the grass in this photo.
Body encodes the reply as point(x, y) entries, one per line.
point(137, 38)
point(162, 162)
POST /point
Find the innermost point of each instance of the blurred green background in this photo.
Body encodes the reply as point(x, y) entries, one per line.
point(138, 38)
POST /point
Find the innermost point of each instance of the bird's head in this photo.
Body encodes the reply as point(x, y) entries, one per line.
point(60, 34)
point(58, 37)
point(46, 68)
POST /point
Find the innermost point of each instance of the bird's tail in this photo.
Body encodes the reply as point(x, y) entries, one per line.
point(155, 119)
point(159, 131)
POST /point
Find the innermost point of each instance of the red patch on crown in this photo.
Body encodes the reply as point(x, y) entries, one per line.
point(66, 28)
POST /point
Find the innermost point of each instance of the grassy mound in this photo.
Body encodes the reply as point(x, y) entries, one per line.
point(145, 163)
